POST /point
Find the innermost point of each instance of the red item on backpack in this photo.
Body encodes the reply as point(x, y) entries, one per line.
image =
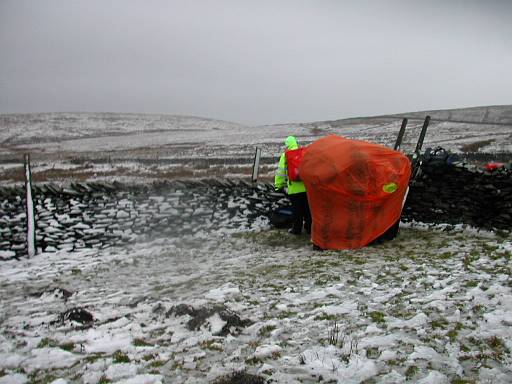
point(492, 166)
point(293, 160)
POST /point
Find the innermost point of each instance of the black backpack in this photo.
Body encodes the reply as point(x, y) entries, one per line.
point(282, 217)
point(436, 160)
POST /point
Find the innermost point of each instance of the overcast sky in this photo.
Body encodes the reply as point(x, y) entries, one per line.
point(254, 62)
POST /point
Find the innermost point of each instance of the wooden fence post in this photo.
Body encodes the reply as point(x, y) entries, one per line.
point(31, 223)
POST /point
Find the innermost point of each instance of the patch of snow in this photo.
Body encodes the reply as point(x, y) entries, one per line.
point(434, 377)
point(264, 351)
point(392, 377)
point(121, 371)
point(341, 309)
point(414, 323)
point(59, 381)
point(216, 324)
point(388, 355)
point(10, 360)
point(224, 293)
point(48, 358)
point(493, 375)
point(15, 378)
point(143, 379)
point(326, 362)
point(6, 254)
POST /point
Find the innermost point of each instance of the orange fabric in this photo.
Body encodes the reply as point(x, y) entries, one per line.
point(355, 190)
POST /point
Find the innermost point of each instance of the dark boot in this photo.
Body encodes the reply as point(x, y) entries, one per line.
point(294, 231)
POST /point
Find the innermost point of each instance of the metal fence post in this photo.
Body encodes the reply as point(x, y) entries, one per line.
point(256, 165)
point(31, 223)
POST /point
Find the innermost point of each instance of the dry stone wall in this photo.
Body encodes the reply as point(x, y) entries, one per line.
point(100, 215)
point(456, 194)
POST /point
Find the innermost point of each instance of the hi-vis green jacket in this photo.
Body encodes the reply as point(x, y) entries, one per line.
point(281, 179)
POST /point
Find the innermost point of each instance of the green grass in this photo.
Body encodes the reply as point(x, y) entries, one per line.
point(505, 235)
point(286, 314)
point(157, 363)
point(499, 350)
point(253, 361)
point(396, 362)
point(372, 353)
point(460, 380)
point(470, 257)
point(490, 248)
point(47, 343)
point(67, 346)
point(46, 379)
point(104, 380)
point(94, 357)
point(377, 317)
point(454, 332)
point(471, 283)
point(266, 330)
point(275, 238)
point(446, 255)
point(411, 371)
point(149, 357)
point(324, 316)
point(120, 357)
point(478, 309)
point(212, 345)
point(440, 323)
point(138, 342)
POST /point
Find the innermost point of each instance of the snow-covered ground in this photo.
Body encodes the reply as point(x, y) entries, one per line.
point(431, 306)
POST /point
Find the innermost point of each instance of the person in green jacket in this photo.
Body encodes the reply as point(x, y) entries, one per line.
point(296, 192)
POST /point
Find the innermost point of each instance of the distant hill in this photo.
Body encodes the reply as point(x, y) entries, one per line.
point(496, 115)
point(492, 115)
point(477, 129)
point(125, 146)
point(31, 128)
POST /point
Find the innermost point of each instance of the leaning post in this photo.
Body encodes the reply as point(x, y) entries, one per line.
point(416, 156)
point(256, 165)
point(31, 223)
point(400, 137)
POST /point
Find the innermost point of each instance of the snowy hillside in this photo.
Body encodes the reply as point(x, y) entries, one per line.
point(136, 147)
point(83, 132)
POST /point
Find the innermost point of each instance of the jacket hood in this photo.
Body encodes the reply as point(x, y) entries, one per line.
point(291, 142)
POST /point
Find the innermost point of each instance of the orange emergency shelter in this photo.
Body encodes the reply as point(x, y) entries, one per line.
point(355, 189)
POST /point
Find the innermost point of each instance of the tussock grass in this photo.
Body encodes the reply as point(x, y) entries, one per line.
point(266, 330)
point(138, 342)
point(120, 357)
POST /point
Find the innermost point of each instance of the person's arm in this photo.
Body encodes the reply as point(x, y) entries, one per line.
point(281, 177)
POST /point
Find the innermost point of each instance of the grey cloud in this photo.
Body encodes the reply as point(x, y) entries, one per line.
point(253, 61)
